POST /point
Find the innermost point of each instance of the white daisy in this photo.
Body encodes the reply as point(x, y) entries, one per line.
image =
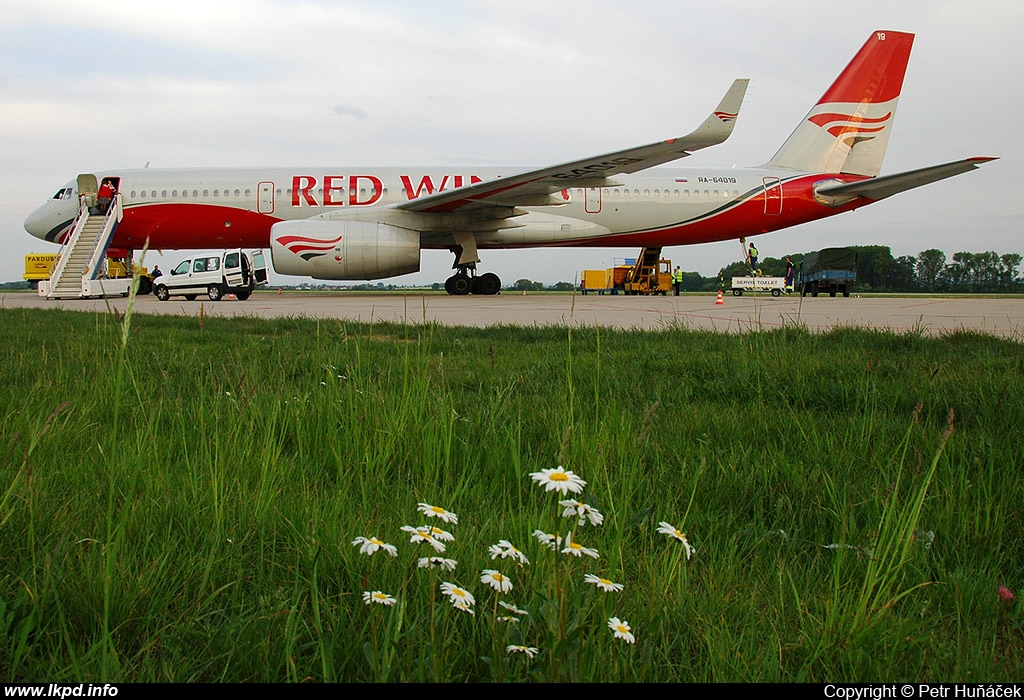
point(671, 531)
point(578, 509)
point(559, 480)
point(621, 629)
point(459, 605)
point(496, 580)
point(378, 597)
point(530, 652)
point(506, 550)
point(369, 545)
point(603, 583)
point(438, 512)
point(548, 540)
point(439, 533)
point(457, 595)
point(419, 534)
point(512, 609)
point(576, 549)
point(437, 563)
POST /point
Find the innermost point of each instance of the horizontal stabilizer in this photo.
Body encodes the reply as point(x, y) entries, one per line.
point(887, 185)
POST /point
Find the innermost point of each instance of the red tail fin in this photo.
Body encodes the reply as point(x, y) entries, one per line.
point(848, 129)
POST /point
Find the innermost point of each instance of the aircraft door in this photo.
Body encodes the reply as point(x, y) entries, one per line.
point(88, 187)
point(772, 196)
point(266, 203)
point(593, 201)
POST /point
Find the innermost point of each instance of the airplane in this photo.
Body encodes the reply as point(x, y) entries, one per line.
point(370, 223)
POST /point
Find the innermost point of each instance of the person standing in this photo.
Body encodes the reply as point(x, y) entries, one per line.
point(752, 258)
point(104, 196)
point(677, 281)
point(790, 273)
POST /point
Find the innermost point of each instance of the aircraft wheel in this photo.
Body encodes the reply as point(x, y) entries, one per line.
point(460, 285)
point(242, 294)
point(776, 292)
point(161, 293)
point(145, 285)
point(191, 297)
point(214, 292)
point(487, 283)
point(737, 292)
point(832, 293)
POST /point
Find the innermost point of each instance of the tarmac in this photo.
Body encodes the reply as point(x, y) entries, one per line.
point(933, 315)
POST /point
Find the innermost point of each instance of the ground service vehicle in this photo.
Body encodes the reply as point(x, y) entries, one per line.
point(832, 270)
point(775, 285)
point(647, 274)
point(215, 275)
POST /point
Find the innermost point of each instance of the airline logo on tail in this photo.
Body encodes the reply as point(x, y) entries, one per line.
point(851, 129)
point(727, 117)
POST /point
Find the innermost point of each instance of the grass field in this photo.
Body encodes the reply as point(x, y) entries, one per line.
point(179, 497)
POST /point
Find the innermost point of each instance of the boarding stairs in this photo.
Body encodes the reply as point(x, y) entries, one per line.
point(81, 267)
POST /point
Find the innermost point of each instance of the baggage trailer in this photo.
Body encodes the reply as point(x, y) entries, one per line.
point(775, 285)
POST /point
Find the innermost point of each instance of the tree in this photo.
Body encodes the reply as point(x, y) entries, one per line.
point(929, 268)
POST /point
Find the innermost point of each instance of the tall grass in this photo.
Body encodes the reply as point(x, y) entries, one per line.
point(179, 497)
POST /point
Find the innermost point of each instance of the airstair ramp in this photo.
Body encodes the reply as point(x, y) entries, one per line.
point(80, 271)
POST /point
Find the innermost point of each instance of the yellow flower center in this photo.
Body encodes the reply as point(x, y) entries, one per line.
point(459, 592)
point(559, 476)
point(374, 540)
point(622, 628)
point(605, 581)
point(437, 510)
point(498, 577)
point(379, 596)
point(573, 545)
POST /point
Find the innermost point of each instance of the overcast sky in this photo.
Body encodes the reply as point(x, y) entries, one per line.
point(106, 85)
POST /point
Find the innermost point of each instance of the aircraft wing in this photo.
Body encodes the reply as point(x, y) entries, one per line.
point(887, 185)
point(534, 187)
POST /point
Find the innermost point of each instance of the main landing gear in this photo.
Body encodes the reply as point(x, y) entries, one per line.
point(464, 282)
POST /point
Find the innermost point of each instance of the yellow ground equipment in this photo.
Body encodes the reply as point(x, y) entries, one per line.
point(648, 274)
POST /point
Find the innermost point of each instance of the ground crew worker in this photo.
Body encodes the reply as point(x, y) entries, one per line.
point(752, 258)
point(790, 273)
point(677, 281)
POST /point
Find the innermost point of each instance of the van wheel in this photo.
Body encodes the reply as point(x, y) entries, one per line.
point(191, 297)
point(161, 293)
point(214, 292)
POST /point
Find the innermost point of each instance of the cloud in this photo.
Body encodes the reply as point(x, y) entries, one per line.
point(350, 111)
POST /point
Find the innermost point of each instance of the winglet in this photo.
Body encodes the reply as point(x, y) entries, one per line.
point(718, 126)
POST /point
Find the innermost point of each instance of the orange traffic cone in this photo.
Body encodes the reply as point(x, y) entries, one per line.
point(719, 300)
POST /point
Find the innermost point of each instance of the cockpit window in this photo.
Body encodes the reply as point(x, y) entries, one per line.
point(63, 193)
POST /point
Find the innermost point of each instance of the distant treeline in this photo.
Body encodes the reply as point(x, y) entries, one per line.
point(879, 271)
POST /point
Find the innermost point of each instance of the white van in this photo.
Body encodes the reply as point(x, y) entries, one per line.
point(215, 275)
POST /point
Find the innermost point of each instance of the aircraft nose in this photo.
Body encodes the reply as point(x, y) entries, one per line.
point(47, 221)
point(34, 222)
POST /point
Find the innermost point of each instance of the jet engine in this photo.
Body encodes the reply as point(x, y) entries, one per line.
point(343, 250)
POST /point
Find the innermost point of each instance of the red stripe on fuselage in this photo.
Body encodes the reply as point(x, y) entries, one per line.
point(747, 218)
point(181, 226)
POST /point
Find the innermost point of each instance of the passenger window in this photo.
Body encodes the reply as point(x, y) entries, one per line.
point(212, 264)
point(200, 265)
point(231, 261)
